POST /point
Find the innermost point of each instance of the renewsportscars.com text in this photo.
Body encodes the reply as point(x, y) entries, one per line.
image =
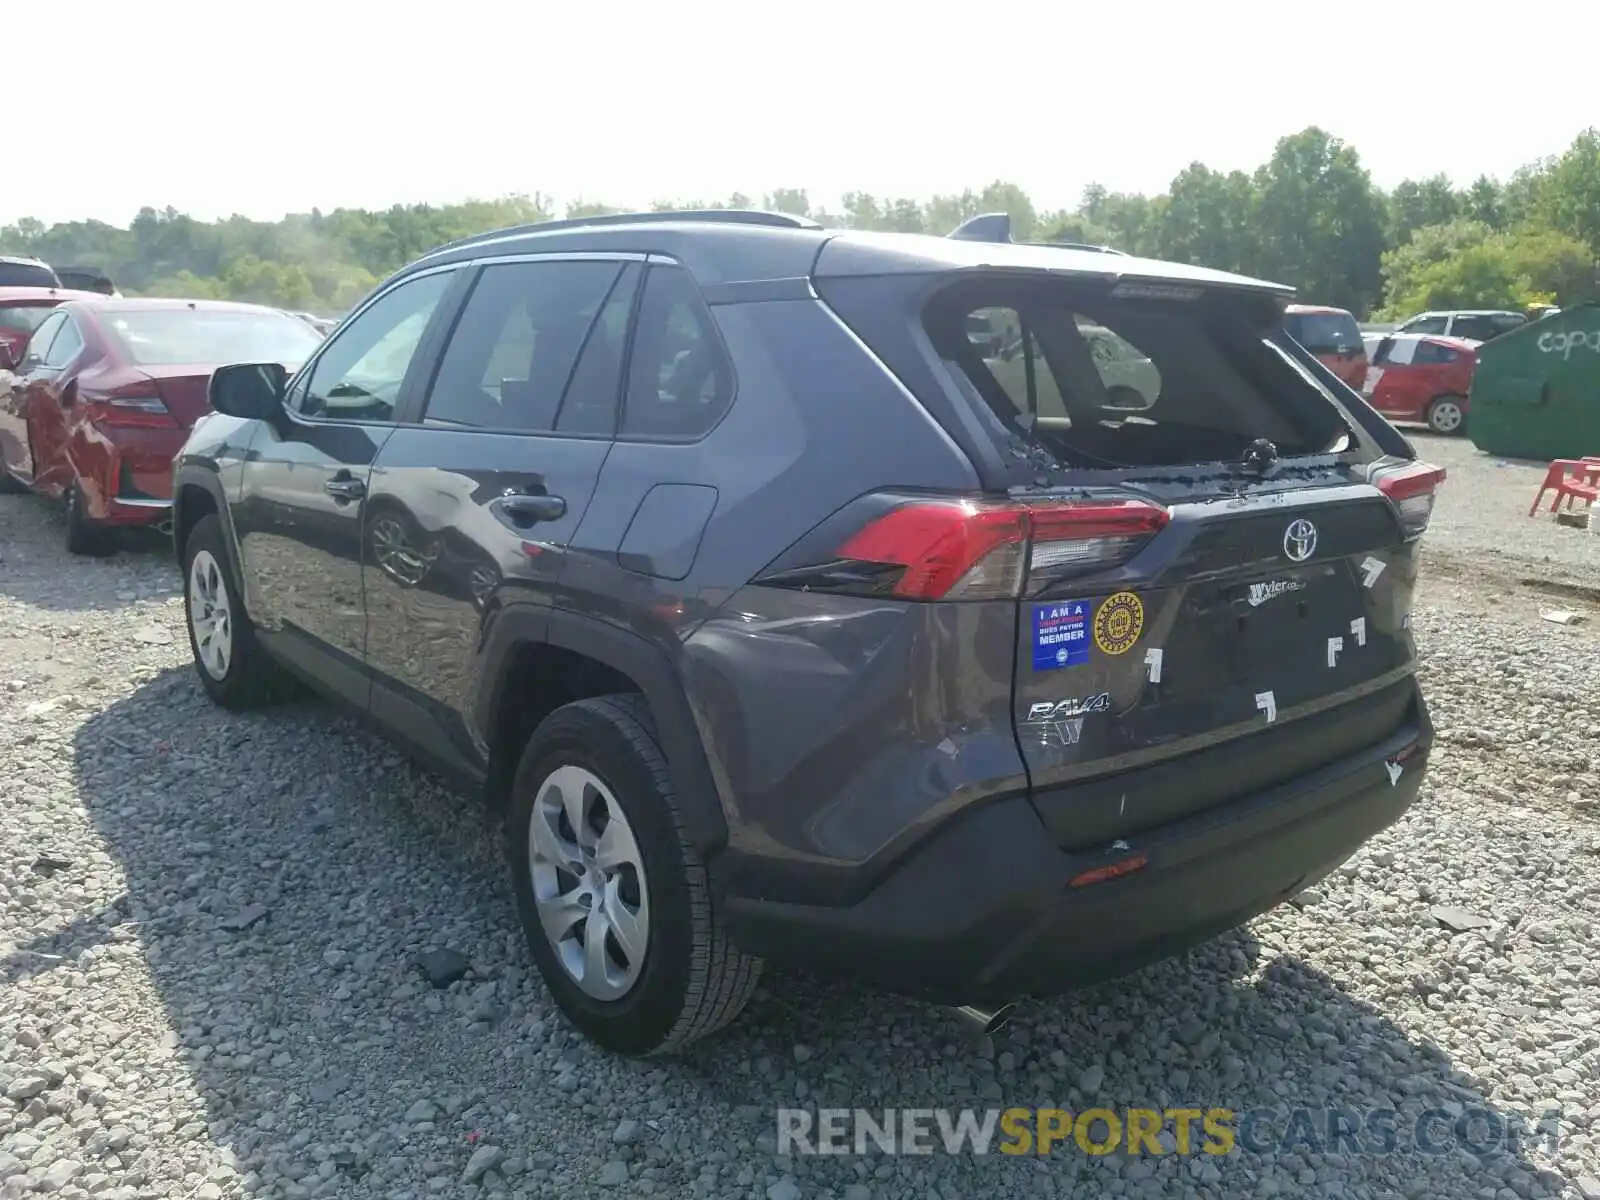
point(1135, 1131)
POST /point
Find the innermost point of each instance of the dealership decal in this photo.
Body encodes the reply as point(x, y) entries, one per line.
point(1060, 634)
point(1260, 593)
point(1371, 568)
point(1335, 644)
point(1268, 704)
point(1394, 770)
point(1118, 623)
point(1358, 628)
point(1152, 665)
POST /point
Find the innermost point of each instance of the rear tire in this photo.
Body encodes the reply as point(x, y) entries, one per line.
point(84, 534)
point(680, 978)
point(233, 668)
point(1447, 415)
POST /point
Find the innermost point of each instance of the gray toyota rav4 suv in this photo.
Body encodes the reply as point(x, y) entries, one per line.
point(785, 620)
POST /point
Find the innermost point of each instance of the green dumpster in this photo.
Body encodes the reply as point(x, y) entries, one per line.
point(1536, 390)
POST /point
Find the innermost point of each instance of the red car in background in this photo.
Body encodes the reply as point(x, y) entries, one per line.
point(21, 310)
point(1333, 336)
point(1423, 378)
point(106, 392)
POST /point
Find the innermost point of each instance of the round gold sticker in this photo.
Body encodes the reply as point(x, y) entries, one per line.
point(1118, 622)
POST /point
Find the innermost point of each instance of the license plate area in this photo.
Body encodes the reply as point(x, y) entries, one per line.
point(1270, 624)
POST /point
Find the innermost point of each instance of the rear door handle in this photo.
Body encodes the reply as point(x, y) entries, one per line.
point(345, 488)
point(525, 509)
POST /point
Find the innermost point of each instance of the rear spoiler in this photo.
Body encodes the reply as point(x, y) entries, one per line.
point(996, 227)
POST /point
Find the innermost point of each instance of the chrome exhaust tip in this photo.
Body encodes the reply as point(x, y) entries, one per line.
point(984, 1020)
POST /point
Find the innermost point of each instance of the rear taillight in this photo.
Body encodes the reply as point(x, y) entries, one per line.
point(135, 406)
point(975, 549)
point(1412, 489)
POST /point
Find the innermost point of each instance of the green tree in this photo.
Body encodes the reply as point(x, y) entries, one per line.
point(1210, 219)
point(1567, 197)
point(1414, 203)
point(1321, 221)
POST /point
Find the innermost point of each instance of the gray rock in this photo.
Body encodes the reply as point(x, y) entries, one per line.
point(613, 1174)
point(627, 1131)
point(245, 918)
point(1458, 920)
point(484, 1159)
point(1588, 1187)
point(422, 1110)
point(441, 968)
point(784, 1189)
point(27, 1085)
point(1090, 1080)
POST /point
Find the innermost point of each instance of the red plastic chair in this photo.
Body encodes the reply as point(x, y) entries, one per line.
point(1571, 479)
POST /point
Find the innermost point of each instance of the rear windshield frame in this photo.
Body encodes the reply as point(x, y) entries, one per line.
point(1295, 410)
point(44, 310)
point(110, 317)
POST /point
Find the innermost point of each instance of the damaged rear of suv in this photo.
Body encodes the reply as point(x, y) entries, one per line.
point(976, 619)
point(1151, 677)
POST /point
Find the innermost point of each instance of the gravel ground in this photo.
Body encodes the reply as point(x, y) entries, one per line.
point(208, 928)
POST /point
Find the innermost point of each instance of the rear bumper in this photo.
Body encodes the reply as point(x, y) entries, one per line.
point(983, 910)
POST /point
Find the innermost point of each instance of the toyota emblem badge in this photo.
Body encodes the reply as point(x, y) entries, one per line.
point(1300, 540)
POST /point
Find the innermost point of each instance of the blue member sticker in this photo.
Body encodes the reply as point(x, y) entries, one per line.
point(1060, 634)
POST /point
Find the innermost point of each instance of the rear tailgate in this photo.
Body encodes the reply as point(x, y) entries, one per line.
point(1248, 642)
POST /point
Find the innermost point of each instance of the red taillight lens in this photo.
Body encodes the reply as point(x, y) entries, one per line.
point(1412, 490)
point(972, 550)
point(131, 408)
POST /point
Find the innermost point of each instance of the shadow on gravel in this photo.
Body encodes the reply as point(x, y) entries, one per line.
point(36, 570)
point(284, 870)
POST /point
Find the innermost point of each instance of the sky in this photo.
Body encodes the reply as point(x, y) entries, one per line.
point(263, 107)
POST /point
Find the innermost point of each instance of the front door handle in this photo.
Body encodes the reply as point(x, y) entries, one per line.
point(525, 509)
point(345, 488)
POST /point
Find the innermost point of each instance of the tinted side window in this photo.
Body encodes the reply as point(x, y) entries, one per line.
point(65, 347)
point(679, 379)
point(1425, 325)
point(39, 343)
point(1432, 352)
point(516, 349)
point(359, 373)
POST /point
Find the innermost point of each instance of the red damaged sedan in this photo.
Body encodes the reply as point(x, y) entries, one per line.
point(105, 393)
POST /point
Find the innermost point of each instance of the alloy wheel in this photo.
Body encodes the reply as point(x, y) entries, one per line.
point(1445, 416)
point(395, 554)
point(210, 617)
point(589, 882)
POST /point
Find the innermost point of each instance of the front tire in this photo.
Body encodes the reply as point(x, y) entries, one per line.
point(613, 899)
point(84, 534)
point(233, 668)
point(1447, 415)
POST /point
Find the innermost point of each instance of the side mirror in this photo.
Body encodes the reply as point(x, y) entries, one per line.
point(250, 390)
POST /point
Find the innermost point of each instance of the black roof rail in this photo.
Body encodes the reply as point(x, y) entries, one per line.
point(729, 216)
point(996, 228)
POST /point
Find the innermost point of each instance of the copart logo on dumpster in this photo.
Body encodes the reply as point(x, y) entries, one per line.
point(1565, 341)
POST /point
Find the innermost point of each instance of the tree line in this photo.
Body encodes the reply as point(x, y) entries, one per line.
point(1309, 217)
